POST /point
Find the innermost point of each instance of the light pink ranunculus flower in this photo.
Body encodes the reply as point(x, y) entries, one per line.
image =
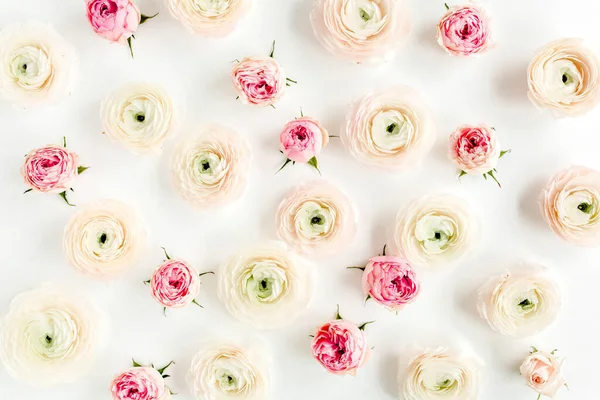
point(175, 283)
point(390, 281)
point(543, 373)
point(114, 20)
point(139, 383)
point(303, 139)
point(464, 31)
point(50, 169)
point(259, 81)
point(474, 149)
point(341, 347)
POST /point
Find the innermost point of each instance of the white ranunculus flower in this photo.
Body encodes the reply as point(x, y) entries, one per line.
point(37, 64)
point(435, 230)
point(208, 17)
point(49, 336)
point(441, 374)
point(391, 129)
point(520, 303)
point(139, 117)
point(267, 286)
point(229, 371)
point(104, 239)
point(316, 217)
point(211, 166)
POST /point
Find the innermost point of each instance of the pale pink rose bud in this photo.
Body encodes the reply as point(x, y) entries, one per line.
point(303, 139)
point(259, 81)
point(114, 20)
point(50, 169)
point(139, 383)
point(464, 31)
point(543, 373)
point(390, 281)
point(175, 284)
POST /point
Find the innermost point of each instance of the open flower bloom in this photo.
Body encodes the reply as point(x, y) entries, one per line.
point(390, 281)
point(391, 129)
point(520, 303)
point(303, 139)
point(570, 204)
point(474, 149)
point(464, 31)
point(139, 116)
point(50, 169)
point(210, 167)
point(36, 64)
point(104, 239)
point(267, 287)
point(258, 81)
point(175, 284)
point(49, 336)
point(316, 218)
point(543, 372)
point(140, 383)
point(441, 374)
point(360, 30)
point(229, 371)
point(114, 20)
point(340, 347)
point(564, 77)
point(208, 17)
point(435, 230)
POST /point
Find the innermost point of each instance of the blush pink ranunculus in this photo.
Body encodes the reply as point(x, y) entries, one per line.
point(543, 373)
point(139, 383)
point(303, 139)
point(258, 80)
point(50, 169)
point(474, 149)
point(341, 347)
point(390, 281)
point(175, 284)
point(114, 20)
point(464, 31)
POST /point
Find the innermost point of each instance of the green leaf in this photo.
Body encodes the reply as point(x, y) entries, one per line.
point(65, 142)
point(462, 173)
point(166, 254)
point(135, 363)
point(361, 268)
point(447, 8)
point(313, 161)
point(364, 325)
point(287, 161)
point(337, 314)
point(81, 169)
point(491, 173)
point(504, 152)
point(272, 50)
point(145, 18)
point(129, 44)
point(27, 191)
point(64, 197)
point(163, 369)
point(206, 273)
point(196, 303)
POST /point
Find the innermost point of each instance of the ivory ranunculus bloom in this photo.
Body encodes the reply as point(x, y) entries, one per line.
point(360, 30)
point(435, 230)
point(570, 204)
point(258, 81)
point(229, 371)
point(565, 77)
point(464, 31)
point(520, 303)
point(441, 374)
point(267, 287)
point(316, 218)
point(139, 116)
point(104, 239)
point(36, 64)
point(208, 17)
point(49, 336)
point(391, 129)
point(210, 167)
point(543, 372)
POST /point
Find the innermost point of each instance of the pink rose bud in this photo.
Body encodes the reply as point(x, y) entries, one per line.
point(341, 347)
point(543, 372)
point(258, 80)
point(464, 31)
point(390, 281)
point(139, 383)
point(50, 169)
point(175, 284)
point(114, 20)
point(303, 139)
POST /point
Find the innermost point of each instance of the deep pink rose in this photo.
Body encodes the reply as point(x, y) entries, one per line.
point(340, 346)
point(390, 281)
point(175, 284)
point(139, 383)
point(258, 80)
point(474, 149)
point(50, 169)
point(115, 20)
point(464, 31)
point(303, 139)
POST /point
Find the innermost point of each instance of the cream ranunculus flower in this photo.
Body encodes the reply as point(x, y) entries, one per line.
point(570, 204)
point(441, 374)
point(316, 218)
point(229, 371)
point(37, 64)
point(564, 77)
point(104, 239)
point(520, 303)
point(49, 336)
point(210, 167)
point(267, 286)
point(391, 129)
point(139, 116)
point(435, 230)
point(208, 17)
point(361, 30)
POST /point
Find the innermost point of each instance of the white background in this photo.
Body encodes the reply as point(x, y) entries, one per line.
point(490, 89)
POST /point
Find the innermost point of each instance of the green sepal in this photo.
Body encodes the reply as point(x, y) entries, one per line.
point(198, 304)
point(272, 50)
point(166, 254)
point(145, 18)
point(361, 268)
point(206, 273)
point(364, 325)
point(163, 369)
point(130, 47)
point(337, 314)
point(64, 197)
point(287, 161)
point(313, 161)
point(28, 190)
point(504, 152)
point(81, 169)
point(135, 363)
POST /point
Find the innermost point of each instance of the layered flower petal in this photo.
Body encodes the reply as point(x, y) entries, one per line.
point(390, 281)
point(139, 383)
point(543, 372)
point(474, 149)
point(175, 283)
point(303, 139)
point(464, 31)
point(340, 347)
point(114, 20)
point(208, 17)
point(50, 169)
point(258, 81)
